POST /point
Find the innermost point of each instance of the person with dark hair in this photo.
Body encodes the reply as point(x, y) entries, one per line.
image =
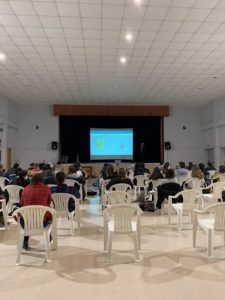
point(63, 188)
point(140, 169)
point(220, 175)
point(48, 176)
point(165, 167)
point(22, 179)
point(121, 178)
point(36, 193)
point(3, 173)
point(156, 174)
point(169, 187)
point(15, 169)
point(181, 170)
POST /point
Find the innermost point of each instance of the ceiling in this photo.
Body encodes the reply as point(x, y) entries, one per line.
point(68, 52)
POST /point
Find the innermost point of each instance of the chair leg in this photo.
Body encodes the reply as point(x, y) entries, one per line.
point(71, 223)
point(5, 218)
point(210, 242)
point(179, 213)
point(77, 216)
point(47, 236)
point(194, 237)
point(135, 245)
point(19, 248)
point(110, 237)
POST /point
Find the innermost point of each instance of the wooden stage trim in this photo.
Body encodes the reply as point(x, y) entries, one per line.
point(110, 110)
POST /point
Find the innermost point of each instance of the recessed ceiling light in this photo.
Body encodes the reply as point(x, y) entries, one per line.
point(2, 57)
point(137, 2)
point(129, 36)
point(123, 59)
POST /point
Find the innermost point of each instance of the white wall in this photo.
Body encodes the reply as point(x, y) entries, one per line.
point(34, 145)
point(187, 144)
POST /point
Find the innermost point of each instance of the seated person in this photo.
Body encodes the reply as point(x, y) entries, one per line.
point(140, 169)
point(167, 189)
point(22, 179)
point(181, 170)
point(63, 188)
point(48, 176)
point(156, 174)
point(121, 178)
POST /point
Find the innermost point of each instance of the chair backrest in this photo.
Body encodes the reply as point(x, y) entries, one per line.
point(70, 182)
point(195, 183)
point(139, 180)
point(33, 216)
point(14, 192)
point(117, 197)
point(221, 177)
point(189, 198)
point(123, 215)
point(3, 180)
point(217, 188)
point(218, 209)
point(120, 187)
point(130, 174)
point(61, 203)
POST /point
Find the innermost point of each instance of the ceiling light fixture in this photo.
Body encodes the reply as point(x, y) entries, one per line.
point(129, 36)
point(123, 60)
point(137, 2)
point(2, 57)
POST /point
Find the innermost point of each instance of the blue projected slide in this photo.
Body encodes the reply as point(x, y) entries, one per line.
point(111, 144)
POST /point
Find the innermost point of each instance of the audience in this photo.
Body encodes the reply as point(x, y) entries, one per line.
point(121, 178)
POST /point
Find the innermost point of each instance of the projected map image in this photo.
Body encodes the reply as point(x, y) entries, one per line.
point(111, 143)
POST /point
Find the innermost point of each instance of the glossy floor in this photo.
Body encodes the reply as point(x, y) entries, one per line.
point(169, 267)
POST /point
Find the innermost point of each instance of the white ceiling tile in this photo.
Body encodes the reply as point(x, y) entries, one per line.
point(50, 22)
point(189, 27)
point(146, 36)
point(29, 21)
point(46, 8)
point(54, 33)
point(43, 42)
point(220, 4)
point(199, 38)
point(112, 11)
point(205, 3)
point(164, 36)
point(176, 13)
point(68, 22)
point(92, 34)
point(112, 35)
point(73, 34)
point(57, 42)
point(22, 7)
point(68, 9)
point(156, 13)
point(92, 23)
point(16, 31)
point(151, 25)
point(9, 20)
point(216, 16)
point(170, 26)
point(90, 11)
point(183, 3)
point(35, 32)
point(197, 14)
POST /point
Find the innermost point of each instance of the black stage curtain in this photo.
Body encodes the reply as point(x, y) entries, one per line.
point(74, 136)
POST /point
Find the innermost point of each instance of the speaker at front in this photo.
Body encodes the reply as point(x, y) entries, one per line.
point(167, 145)
point(54, 145)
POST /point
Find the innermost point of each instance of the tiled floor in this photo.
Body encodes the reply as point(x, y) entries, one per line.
point(169, 267)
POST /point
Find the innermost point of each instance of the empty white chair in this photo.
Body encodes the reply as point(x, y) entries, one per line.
point(61, 201)
point(210, 223)
point(3, 181)
point(14, 192)
point(190, 199)
point(122, 219)
point(72, 182)
point(33, 216)
point(4, 212)
point(215, 195)
point(116, 197)
point(120, 187)
point(139, 184)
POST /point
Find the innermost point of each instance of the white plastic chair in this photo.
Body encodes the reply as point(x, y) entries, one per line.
point(139, 185)
point(120, 187)
point(4, 211)
point(14, 195)
point(116, 197)
point(194, 183)
point(33, 216)
point(72, 182)
point(122, 219)
point(215, 195)
point(190, 201)
point(61, 201)
point(3, 180)
point(210, 223)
